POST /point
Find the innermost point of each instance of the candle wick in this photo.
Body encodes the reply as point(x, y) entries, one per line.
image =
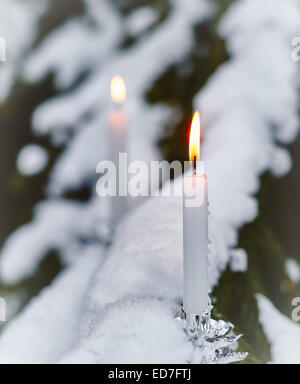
point(195, 166)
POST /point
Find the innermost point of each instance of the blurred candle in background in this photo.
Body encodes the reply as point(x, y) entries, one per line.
point(118, 132)
point(195, 230)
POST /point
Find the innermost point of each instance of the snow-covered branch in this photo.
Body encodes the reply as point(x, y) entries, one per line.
point(249, 108)
point(18, 26)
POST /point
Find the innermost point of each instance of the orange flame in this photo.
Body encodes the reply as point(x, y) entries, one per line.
point(118, 90)
point(195, 138)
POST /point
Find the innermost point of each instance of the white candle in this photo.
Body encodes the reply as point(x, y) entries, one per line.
point(195, 231)
point(118, 131)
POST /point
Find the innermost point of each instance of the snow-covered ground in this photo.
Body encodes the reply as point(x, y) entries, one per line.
point(126, 309)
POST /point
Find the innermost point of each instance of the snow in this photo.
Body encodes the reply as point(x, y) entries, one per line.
point(169, 42)
point(282, 333)
point(49, 325)
point(141, 20)
point(281, 162)
point(293, 270)
point(2, 310)
point(152, 331)
point(172, 40)
point(66, 227)
point(130, 302)
point(96, 34)
point(77, 164)
point(24, 14)
point(76, 167)
point(243, 19)
point(239, 261)
point(32, 160)
point(249, 118)
point(144, 263)
point(246, 121)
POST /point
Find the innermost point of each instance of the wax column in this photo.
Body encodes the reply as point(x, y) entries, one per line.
point(195, 227)
point(118, 131)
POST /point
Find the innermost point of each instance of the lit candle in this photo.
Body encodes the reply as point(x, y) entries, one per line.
point(118, 130)
point(195, 227)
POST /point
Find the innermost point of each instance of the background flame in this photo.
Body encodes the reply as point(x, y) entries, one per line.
point(118, 90)
point(195, 138)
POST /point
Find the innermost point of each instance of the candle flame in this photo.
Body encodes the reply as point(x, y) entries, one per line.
point(195, 138)
point(118, 90)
